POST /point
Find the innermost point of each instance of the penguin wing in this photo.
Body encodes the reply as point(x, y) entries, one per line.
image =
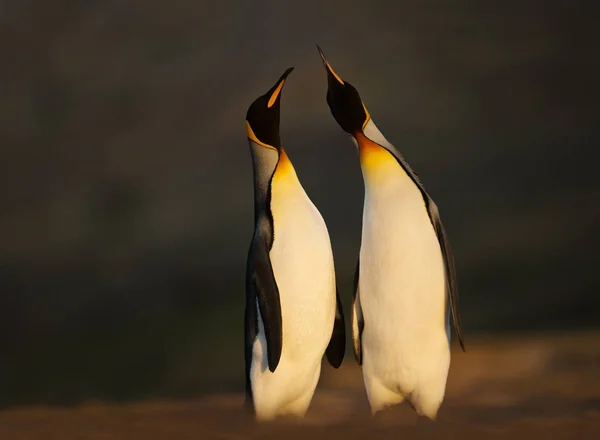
point(357, 319)
point(263, 286)
point(450, 269)
point(337, 344)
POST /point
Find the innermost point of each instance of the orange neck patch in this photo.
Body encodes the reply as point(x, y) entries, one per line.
point(284, 167)
point(373, 157)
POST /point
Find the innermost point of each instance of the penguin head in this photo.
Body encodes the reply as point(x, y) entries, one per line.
point(262, 118)
point(344, 101)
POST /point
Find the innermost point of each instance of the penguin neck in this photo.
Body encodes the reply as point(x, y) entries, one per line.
point(376, 162)
point(264, 161)
point(371, 131)
point(379, 160)
point(285, 174)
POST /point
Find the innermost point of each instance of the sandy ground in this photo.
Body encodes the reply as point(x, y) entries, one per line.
point(511, 388)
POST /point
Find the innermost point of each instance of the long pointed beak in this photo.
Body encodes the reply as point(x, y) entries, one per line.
point(330, 72)
point(275, 91)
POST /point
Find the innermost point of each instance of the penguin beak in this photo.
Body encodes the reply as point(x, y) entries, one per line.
point(344, 101)
point(262, 117)
point(332, 77)
point(275, 93)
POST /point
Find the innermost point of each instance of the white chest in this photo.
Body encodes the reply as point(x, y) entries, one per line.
point(302, 262)
point(402, 281)
point(301, 239)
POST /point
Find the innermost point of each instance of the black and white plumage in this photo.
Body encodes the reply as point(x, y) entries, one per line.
point(293, 312)
point(405, 281)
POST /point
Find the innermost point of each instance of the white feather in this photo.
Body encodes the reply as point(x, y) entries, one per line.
point(405, 343)
point(302, 262)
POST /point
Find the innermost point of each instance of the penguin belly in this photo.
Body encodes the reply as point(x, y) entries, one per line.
point(302, 261)
point(405, 340)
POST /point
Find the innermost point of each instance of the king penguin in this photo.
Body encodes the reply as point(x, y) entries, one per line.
point(405, 285)
point(293, 311)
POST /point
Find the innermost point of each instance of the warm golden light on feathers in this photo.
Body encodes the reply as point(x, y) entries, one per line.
point(373, 157)
point(284, 168)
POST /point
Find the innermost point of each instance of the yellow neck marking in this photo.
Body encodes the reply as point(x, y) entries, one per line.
point(376, 162)
point(372, 155)
point(368, 116)
point(284, 169)
point(254, 139)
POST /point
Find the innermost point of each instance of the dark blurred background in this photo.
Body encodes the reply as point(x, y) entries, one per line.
point(126, 180)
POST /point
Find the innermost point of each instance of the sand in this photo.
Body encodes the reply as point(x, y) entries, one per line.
point(505, 388)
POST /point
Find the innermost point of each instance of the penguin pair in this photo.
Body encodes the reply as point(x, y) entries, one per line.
point(405, 282)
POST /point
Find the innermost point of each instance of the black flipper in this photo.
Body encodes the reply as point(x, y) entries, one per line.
point(337, 344)
point(267, 294)
point(358, 323)
point(451, 282)
point(261, 288)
